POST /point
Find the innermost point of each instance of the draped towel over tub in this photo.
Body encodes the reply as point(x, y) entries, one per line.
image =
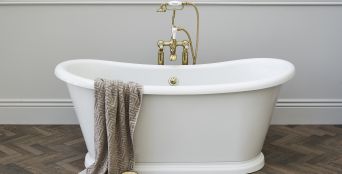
point(117, 106)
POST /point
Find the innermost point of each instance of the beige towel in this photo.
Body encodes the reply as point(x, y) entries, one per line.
point(117, 106)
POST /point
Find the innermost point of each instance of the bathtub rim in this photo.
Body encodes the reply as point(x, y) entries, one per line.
point(73, 79)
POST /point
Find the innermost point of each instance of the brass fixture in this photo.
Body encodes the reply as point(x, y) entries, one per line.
point(162, 8)
point(173, 81)
point(173, 43)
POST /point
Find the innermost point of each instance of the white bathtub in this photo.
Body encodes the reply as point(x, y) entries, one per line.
point(213, 122)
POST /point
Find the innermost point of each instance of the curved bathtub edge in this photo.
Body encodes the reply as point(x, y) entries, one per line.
point(70, 78)
point(242, 167)
point(181, 90)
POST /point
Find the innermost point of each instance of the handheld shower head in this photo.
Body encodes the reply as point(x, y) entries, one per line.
point(175, 3)
point(171, 5)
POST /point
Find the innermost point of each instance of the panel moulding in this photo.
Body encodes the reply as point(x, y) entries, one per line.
point(151, 2)
point(61, 111)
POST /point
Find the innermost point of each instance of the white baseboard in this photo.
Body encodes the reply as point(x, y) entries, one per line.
point(307, 115)
point(38, 115)
point(291, 111)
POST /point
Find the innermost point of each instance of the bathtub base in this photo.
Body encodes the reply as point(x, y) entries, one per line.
point(243, 167)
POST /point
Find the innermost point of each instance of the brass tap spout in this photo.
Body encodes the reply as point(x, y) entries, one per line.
point(173, 47)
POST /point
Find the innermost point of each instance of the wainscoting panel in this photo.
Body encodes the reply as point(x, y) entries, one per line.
point(36, 35)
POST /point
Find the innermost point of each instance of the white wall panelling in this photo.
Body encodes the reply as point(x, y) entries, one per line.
point(35, 36)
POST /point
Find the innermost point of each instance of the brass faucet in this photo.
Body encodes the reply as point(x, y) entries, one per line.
point(173, 43)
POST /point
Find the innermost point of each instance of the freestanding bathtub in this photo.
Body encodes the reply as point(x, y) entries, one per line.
point(214, 121)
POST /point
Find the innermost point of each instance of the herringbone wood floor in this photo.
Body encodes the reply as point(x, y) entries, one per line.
point(61, 150)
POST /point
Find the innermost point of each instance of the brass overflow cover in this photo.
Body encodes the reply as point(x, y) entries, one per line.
point(173, 81)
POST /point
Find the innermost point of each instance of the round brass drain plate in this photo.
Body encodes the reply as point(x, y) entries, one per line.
point(173, 81)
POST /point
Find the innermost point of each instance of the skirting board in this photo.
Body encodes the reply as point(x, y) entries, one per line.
point(38, 115)
point(307, 115)
point(66, 115)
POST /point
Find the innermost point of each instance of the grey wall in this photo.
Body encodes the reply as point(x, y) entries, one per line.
point(36, 37)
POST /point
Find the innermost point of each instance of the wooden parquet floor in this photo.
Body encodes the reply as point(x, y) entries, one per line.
point(61, 150)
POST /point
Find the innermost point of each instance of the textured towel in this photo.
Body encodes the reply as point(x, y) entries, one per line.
point(117, 106)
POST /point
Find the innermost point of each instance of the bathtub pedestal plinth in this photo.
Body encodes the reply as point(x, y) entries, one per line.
point(242, 167)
